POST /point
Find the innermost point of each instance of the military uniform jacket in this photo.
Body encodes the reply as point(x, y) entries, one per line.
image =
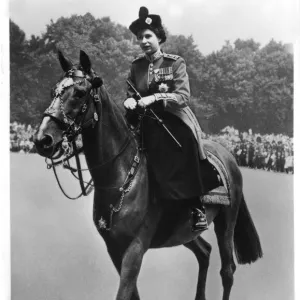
point(167, 79)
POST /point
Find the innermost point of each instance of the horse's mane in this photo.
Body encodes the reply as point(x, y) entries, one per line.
point(115, 113)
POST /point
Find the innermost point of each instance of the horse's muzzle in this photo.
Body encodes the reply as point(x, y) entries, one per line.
point(44, 144)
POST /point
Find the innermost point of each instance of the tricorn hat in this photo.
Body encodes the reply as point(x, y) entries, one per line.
point(146, 21)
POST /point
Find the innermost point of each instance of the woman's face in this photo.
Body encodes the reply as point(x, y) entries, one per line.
point(148, 41)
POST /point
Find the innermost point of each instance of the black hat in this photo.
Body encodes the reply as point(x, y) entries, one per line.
point(146, 21)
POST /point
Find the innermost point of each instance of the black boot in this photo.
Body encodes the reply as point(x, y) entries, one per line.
point(199, 219)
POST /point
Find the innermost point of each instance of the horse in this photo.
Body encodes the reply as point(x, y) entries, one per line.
point(126, 212)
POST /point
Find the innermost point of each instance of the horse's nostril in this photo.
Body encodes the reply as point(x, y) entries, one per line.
point(47, 141)
point(44, 144)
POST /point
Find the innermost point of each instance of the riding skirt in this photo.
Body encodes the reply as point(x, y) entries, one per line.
point(175, 171)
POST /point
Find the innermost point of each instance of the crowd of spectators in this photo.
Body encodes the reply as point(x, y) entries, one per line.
point(21, 138)
point(268, 152)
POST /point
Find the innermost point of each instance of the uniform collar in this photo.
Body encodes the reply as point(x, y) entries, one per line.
point(155, 56)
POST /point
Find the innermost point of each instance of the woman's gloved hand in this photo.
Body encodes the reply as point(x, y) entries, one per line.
point(130, 103)
point(146, 101)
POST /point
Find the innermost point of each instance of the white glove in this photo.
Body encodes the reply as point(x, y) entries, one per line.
point(145, 101)
point(130, 103)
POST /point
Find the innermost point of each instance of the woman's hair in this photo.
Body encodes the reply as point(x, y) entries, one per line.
point(160, 33)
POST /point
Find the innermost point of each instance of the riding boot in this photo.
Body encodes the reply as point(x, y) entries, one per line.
point(199, 221)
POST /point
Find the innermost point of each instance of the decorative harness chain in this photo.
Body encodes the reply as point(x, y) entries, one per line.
point(70, 148)
point(124, 189)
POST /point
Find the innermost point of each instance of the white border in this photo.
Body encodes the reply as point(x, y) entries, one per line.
point(5, 272)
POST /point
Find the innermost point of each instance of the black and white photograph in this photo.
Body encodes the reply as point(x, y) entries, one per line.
point(151, 149)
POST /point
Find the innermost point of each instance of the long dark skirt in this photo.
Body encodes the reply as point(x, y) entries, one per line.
point(176, 171)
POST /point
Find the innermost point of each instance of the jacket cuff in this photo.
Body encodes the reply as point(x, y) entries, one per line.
point(165, 97)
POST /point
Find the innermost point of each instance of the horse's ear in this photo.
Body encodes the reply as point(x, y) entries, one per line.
point(65, 63)
point(85, 62)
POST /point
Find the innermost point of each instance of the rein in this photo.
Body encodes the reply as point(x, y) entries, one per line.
point(85, 189)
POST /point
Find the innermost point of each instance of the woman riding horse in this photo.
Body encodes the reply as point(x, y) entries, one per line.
point(126, 213)
point(179, 170)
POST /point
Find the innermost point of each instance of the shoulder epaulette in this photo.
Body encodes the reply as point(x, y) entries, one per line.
point(171, 56)
point(140, 56)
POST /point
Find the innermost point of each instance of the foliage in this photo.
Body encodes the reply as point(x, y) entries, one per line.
point(250, 87)
point(241, 85)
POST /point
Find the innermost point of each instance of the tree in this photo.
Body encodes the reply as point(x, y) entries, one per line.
point(241, 85)
point(273, 89)
point(249, 87)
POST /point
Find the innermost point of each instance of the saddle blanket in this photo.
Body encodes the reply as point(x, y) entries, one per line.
point(221, 194)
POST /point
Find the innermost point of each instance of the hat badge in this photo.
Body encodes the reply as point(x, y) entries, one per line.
point(148, 21)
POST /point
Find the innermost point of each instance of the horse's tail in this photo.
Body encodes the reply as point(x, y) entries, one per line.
point(246, 240)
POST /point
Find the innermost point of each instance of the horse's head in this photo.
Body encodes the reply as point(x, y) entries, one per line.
point(70, 107)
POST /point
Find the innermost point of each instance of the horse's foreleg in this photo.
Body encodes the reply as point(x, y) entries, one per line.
point(202, 250)
point(130, 268)
point(116, 257)
point(224, 232)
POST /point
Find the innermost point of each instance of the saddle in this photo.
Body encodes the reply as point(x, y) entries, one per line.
point(221, 194)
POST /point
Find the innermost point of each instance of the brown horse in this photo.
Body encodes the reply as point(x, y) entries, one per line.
point(126, 213)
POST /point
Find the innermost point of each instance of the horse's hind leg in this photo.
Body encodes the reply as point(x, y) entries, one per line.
point(116, 257)
point(224, 231)
point(202, 250)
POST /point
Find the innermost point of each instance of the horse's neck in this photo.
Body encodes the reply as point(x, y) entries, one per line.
point(108, 147)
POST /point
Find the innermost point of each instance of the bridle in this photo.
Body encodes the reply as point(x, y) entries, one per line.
point(73, 126)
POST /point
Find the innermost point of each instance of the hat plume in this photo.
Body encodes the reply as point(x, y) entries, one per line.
point(143, 13)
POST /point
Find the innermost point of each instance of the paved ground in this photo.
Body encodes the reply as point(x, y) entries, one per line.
point(58, 255)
